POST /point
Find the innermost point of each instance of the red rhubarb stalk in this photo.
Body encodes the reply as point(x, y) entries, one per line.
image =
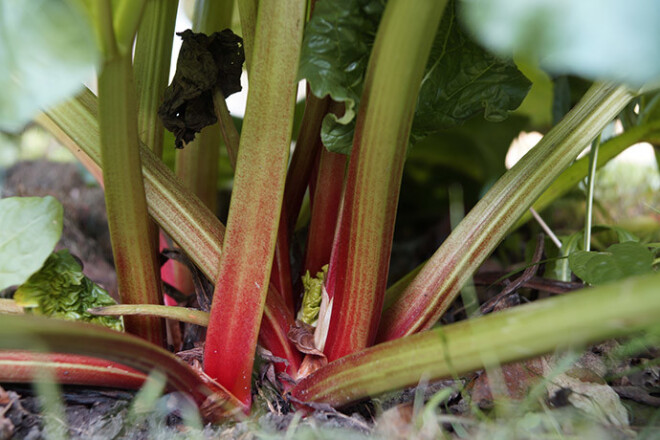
point(254, 213)
point(360, 257)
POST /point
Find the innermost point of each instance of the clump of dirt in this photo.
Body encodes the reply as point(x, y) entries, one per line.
point(85, 233)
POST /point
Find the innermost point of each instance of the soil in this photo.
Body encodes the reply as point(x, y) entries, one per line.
point(96, 413)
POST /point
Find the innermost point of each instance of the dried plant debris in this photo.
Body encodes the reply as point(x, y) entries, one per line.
point(205, 64)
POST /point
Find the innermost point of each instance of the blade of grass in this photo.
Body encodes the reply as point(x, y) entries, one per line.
point(591, 179)
point(244, 272)
point(442, 277)
point(571, 320)
point(359, 264)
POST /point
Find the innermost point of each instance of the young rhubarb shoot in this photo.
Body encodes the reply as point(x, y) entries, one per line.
point(360, 258)
point(252, 224)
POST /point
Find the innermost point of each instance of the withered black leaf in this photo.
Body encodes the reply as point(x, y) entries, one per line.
point(205, 63)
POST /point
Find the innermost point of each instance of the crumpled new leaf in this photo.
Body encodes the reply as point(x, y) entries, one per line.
point(461, 79)
point(204, 64)
point(29, 230)
point(60, 290)
point(619, 261)
point(311, 302)
point(47, 50)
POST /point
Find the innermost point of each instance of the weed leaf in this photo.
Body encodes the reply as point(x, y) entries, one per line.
point(619, 261)
point(29, 229)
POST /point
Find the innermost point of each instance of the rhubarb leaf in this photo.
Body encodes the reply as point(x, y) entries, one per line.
point(47, 50)
point(461, 79)
point(204, 64)
point(29, 229)
point(311, 302)
point(335, 53)
point(597, 39)
point(59, 289)
point(619, 261)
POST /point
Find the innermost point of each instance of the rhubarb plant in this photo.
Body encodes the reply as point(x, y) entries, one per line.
point(383, 77)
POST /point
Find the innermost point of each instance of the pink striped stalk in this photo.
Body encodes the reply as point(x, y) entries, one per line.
point(360, 257)
point(254, 213)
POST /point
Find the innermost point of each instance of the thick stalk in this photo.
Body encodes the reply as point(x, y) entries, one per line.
point(242, 281)
point(180, 213)
point(126, 19)
point(441, 279)
point(25, 366)
point(247, 9)
point(43, 334)
point(568, 321)
point(135, 258)
point(360, 257)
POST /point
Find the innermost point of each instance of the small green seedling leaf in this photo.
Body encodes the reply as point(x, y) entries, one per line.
point(29, 229)
point(60, 289)
point(311, 303)
point(47, 51)
point(597, 39)
point(619, 261)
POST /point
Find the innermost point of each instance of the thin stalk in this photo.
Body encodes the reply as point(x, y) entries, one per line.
point(197, 164)
point(24, 366)
point(247, 10)
point(302, 160)
point(228, 129)
point(134, 256)
point(326, 205)
point(568, 321)
point(591, 184)
point(359, 264)
point(38, 333)
point(252, 224)
point(438, 283)
point(10, 306)
point(576, 172)
point(182, 314)
point(126, 19)
point(153, 52)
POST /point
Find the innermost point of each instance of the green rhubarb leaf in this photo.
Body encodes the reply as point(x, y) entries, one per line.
point(335, 52)
point(29, 229)
point(597, 39)
point(313, 292)
point(47, 51)
point(619, 261)
point(59, 289)
point(461, 79)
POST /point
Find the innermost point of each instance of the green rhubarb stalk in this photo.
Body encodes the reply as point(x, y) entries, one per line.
point(37, 333)
point(360, 258)
point(183, 314)
point(153, 52)
point(247, 10)
point(127, 15)
point(575, 173)
point(134, 257)
point(442, 277)
point(252, 224)
point(568, 321)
